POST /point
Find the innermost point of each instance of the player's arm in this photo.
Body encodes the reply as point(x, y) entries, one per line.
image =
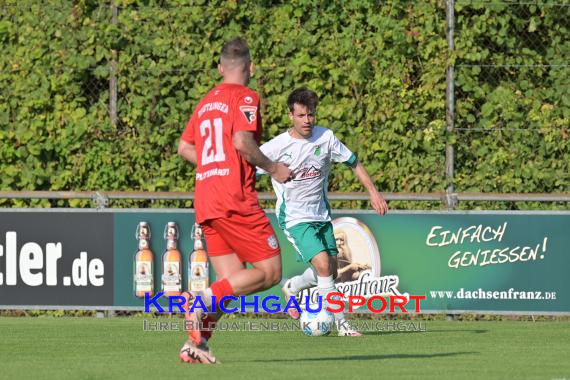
point(245, 144)
point(187, 151)
point(377, 201)
point(264, 148)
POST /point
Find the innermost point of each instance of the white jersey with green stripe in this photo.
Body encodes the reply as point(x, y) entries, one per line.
point(304, 198)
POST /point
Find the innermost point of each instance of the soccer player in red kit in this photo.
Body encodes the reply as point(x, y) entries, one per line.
point(221, 139)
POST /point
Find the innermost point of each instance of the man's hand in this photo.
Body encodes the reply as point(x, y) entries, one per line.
point(378, 203)
point(246, 145)
point(280, 172)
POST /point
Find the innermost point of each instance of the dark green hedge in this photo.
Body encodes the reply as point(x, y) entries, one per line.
point(513, 81)
point(379, 69)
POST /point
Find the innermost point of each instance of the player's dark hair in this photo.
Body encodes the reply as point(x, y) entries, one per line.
point(235, 52)
point(304, 97)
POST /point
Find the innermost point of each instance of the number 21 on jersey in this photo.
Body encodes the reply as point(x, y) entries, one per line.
point(213, 150)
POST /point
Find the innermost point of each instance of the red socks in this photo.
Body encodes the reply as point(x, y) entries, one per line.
point(221, 289)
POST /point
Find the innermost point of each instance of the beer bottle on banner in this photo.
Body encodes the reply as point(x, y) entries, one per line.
point(144, 263)
point(198, 275)
point(171, 262)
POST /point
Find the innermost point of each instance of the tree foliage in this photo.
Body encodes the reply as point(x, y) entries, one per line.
point(379, 69)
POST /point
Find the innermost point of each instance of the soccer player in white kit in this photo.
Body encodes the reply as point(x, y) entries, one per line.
point(302, 208)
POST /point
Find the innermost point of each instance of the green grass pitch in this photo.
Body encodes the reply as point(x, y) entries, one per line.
point(118, 348)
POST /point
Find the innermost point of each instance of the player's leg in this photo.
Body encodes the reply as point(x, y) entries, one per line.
point(308, 278)
point(227, 266)
point(263, 275)
point(224, 263)
point(313, 248)
point(327, 236)
point(224, 266)
point(321, 264)
point(195, 349)
point(334, 266)
point(232, 241)
point(253, 240)
point(303, 281)
point(236, 240)
point(325, 281)
point(300, 237)
point(297, 284)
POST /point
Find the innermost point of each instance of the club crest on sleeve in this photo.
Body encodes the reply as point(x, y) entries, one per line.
point(248, 99)
point(272, 242)
point(249, 113)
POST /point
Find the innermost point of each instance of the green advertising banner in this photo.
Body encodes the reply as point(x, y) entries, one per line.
point(462, 262)
point(485, 262)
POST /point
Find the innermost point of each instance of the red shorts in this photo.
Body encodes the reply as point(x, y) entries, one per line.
point(251, 237)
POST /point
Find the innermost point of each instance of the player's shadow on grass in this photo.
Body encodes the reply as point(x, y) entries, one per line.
point(373, 357)
point(475, 331)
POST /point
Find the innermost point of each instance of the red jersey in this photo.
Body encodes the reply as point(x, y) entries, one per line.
point(225, 181)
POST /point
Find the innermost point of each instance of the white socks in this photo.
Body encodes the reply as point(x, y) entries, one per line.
point(304, 281)
point(326, 286)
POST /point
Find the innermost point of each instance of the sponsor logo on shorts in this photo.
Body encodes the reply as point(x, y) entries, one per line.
point(272, 242)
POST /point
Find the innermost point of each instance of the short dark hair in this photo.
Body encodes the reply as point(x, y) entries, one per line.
point(303, 96)
point(235, 51)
